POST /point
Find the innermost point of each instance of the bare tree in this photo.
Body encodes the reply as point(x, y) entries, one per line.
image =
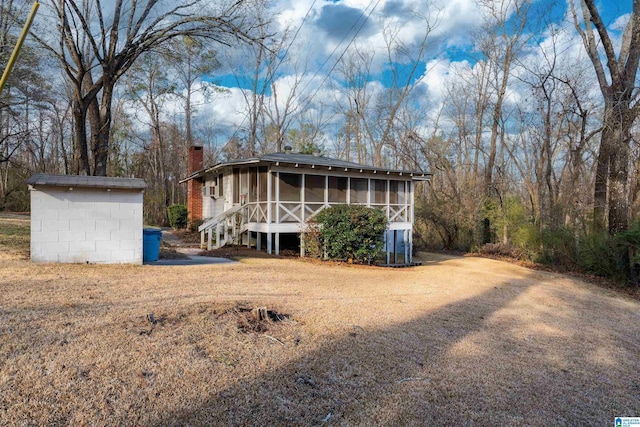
point(373, 117)
point(190, 59)
point(504, 29)
point(149, 86)
point(355, 69)
point(98, 43)
point(620, 92)
point(251, 74)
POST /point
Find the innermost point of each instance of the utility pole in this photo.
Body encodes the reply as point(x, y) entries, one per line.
point(16, 50)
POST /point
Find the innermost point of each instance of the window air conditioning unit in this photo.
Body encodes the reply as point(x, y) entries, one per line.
point(210, 190)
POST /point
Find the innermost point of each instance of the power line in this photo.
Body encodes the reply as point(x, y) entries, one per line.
point(286, 52)
point(355, 34)
point(341, 55)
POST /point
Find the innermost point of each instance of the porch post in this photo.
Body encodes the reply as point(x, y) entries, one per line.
point(348, 190)
point(302, 210)
point(411, 200)
point(386, 245)
point(269, 242)
point(277, 243)
point(269, 196)
point(326, 191)
point(218, 235)
point(277, 221)
point(406, 246)
point(411, 245)
point(258, 240)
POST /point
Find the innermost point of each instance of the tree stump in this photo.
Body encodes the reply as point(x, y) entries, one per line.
point(260, 313)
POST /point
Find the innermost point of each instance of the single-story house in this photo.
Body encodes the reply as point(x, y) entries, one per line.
point(86, 219)
point(265, 201)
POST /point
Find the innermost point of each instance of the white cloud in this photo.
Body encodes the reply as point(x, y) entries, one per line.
point(456, 19)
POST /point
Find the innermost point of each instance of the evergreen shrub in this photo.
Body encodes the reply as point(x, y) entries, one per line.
point(351, 233)
point(177, 216)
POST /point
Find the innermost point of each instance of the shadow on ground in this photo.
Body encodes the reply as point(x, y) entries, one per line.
point(461, 364)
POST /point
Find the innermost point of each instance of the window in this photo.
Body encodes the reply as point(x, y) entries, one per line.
point(220, 186)
point(337, 189)
point(214, 188)
point(253, 184)
point(244, 183)
point(236, 186)
point(314, 188)
point(262, 184)
point(396, 193)
point(359, 187)
point(403, 187)
point(378, 191)
point(289, 187)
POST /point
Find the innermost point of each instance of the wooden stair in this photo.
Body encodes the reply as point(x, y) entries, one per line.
point(226, 227)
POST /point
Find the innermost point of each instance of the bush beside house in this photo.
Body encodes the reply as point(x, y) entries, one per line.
point(346, 232)
point(177, 216)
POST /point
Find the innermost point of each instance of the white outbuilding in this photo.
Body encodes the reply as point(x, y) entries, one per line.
point(86, 219)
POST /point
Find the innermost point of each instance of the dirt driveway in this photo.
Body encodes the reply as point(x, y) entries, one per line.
point(457, 341)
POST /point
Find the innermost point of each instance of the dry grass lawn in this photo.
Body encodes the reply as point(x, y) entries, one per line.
point(457, 341)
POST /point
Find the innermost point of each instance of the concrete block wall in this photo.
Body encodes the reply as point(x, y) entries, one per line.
point(86, 225)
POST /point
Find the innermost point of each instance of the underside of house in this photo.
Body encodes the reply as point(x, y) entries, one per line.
point(265, 202)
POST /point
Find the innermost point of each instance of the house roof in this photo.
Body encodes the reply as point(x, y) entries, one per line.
point(86, 181)
point(297, 159)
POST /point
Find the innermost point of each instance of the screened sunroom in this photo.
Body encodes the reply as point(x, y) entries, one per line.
point(266, 202)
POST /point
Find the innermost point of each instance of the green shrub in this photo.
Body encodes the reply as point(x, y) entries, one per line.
point(347, 232)
point(559, 248)
point(312, 239)
point(598, 255)
point(177, 216)
point(628, 255)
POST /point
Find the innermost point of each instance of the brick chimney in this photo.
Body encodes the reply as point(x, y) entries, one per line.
point(194, 186)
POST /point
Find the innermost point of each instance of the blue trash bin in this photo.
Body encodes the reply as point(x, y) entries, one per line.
point(151, 244)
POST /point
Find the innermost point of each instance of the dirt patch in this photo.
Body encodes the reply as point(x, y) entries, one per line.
point(239, 316)
point(167, 251)
point(258, 319)
point(187, 236)
point(237, 252)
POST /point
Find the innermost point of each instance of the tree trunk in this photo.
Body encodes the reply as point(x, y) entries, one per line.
point(101, 135)
point(601, 181)
point(617, 133)
point(612, 168)
point(81, 154)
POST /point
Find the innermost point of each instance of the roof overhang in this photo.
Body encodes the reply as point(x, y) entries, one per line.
point(70, 181)
point(311, 162)
point(203, 172)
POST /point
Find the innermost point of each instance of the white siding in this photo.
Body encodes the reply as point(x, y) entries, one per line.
point(212, 207)
point(86, 225)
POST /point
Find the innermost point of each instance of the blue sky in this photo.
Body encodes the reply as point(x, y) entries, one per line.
point(328, 29)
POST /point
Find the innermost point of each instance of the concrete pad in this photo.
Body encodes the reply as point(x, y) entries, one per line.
point(192, 260)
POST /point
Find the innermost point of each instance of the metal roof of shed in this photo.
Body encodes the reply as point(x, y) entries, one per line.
point(309, 160)
point(86, 181)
